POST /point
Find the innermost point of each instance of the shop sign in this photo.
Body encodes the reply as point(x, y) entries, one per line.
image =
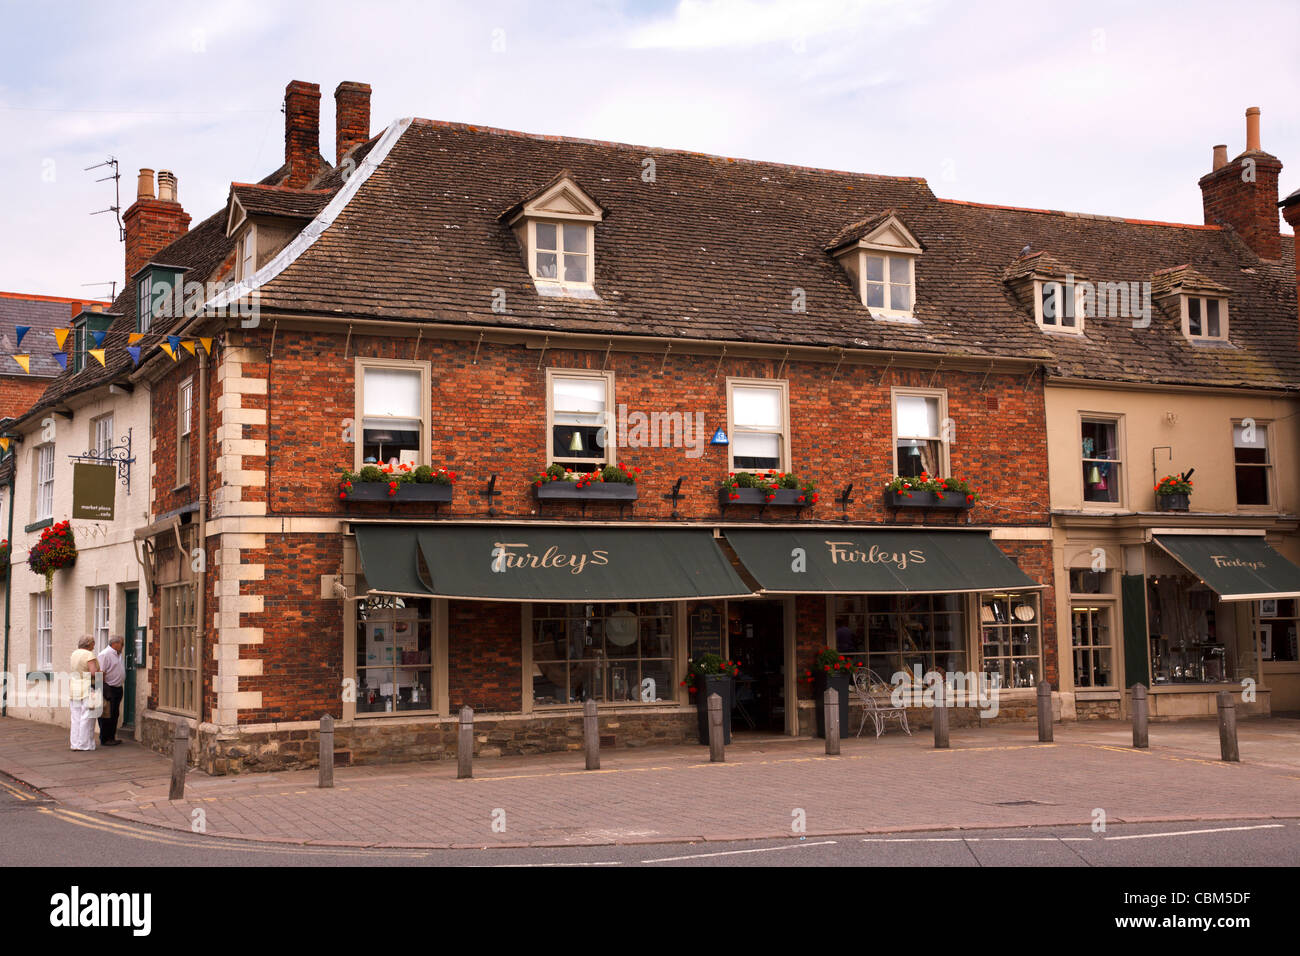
point(93, 490)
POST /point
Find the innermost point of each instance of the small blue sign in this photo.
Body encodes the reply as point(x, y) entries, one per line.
point(719, 438)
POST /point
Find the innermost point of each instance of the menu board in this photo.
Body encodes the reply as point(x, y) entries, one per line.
point(706, 630)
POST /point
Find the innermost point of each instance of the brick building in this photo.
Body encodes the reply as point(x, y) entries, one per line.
point(42, 314)
point(495, 304)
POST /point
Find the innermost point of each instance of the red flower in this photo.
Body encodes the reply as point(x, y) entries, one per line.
point(343, 494)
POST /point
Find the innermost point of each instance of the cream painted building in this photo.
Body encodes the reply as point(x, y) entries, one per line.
point(1131, 611)
point(103, 593)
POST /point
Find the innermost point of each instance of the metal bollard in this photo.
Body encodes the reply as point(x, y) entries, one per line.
point(180, 755)
point(717, 750)
point(941, 714)
point(326, 752)
point(832, 705)
point(1228, 728)
point(1141, 714)
point(591, 734)
point(465, 744)
point(1044, 712)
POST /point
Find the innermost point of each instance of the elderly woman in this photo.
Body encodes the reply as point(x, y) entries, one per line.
point(82, 694)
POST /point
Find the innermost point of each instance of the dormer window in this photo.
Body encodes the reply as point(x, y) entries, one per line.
point(879, 254)
point(158, 295)
point(1059, 306)
point(246, 261)
point(1205, 318)
point(144, 304)
point(556, 230)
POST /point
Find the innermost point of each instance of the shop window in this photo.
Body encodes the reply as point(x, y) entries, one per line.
point(1277, 620)
point(393, 406)
point(1011, 642)
point(1254, 470)
point(578, 405)
point(908, 633)
point(394, 655)
point(179, 682)
point(759, 437)
point(1191, 641)
point(918, 436)
point(1091, 638)
point(611, 653)
point(1101, 460)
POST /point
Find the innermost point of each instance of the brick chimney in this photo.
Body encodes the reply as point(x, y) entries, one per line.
point(301, 132)
point(351, 117)
point(1243, 193)
point(153, 223)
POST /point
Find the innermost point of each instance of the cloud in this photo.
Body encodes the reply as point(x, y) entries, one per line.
point(711, 24)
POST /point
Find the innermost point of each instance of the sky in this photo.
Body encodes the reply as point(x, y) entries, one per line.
point(1103, 107)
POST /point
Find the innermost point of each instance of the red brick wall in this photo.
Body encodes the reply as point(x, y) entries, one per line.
point(1249, 207)
point(19, 393)
point(484, 659)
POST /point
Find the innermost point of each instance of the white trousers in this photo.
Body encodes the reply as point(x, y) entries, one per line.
point(83, 726)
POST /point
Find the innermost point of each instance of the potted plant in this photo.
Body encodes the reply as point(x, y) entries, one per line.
point(831, 669)
point(400, 483)
point(922, 491)
point(779, 488)
point(1173, 492)
point(55, 550)
point(614, 482)
point(708, 675)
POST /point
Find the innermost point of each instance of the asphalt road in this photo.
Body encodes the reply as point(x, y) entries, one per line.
point(39, 832)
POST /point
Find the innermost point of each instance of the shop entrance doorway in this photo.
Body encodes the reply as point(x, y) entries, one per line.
point(757, 643)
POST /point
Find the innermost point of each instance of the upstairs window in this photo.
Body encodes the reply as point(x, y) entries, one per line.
point(144, 304)
point(1059, 306)
point(1253, 468)
point(101, 435)
point(246, 264)
point(394, 409)
point(759, 436)
point(577, 409)
point(44, 482)
point(184, 414)
point(888, 283)
point(555, 228)
point(1101, 460)
point(1205, 318)
point(919, 445)
point(879, 255)
point(562, 251)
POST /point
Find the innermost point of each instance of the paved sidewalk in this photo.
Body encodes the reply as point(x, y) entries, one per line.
point(991, 777)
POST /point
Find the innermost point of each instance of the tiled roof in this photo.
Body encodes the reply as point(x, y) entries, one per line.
point(856, 230)
point(1166, 281)
point(258, 200)
point(43, 314)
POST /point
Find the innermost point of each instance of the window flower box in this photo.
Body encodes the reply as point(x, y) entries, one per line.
point(1173, 502)
point(409, 491)
point(615, 484)
point(398, 484)
point(780, 490)
point(927, 499)
point(780, 498)
point(922, 491)
point(1174, 492)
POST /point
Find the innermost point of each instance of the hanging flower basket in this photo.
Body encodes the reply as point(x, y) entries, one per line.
point(55, 550)
point(6, 553)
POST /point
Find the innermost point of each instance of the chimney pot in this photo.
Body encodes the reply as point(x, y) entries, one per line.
point(1220, 156)
point(351, 117)
point(1252, 130)
point(167, 185)
point(301, 132)
point(144, 185)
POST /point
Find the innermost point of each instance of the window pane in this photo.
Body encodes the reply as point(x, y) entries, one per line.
point(875, 268)
point(392, 393)
point(756, 450)
point(578, 401)
point(1212, 317)
point(900, 298)
point(756, 407)
point(900, 270)
point(575, 239)
point(918, 416)
point(1051, 302)
point(546, 235)
point(1194, 316)
point(875, 295)
point(916, 457)
point(1100, 440)
point(1257, 438)
point(546, 265)
point(575, 268)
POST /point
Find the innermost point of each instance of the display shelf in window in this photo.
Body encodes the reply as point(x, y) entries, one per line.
point(1010, 630)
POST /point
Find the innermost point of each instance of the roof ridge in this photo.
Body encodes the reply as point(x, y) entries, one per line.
point(33, 297)
point(548, 138)
point(1079, 215)
point(285, 189)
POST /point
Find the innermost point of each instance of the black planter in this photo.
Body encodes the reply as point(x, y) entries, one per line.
point(596, 491)
point(781, 498)
point(1173, 502)
point(952, 500)
point(410, 491)
point(722, 685)
point(840, 682)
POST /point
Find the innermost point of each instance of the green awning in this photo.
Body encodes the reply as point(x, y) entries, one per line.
point(830, 561)
point(520, 563)
point(1237, 568)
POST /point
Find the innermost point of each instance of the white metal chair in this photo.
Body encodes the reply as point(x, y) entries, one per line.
point(873, 693)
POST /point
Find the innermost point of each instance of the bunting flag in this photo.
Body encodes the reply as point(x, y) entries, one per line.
point(207, 345)
point(62, 359)
point(98, 336)
point(166, 347)
point(61, 336)
point(19, 332)
point(4, 443)
point(25, 361)
point(189, 345)
point(135, 354)
point(175, 342)
point(99, 356)
point(134, 337)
